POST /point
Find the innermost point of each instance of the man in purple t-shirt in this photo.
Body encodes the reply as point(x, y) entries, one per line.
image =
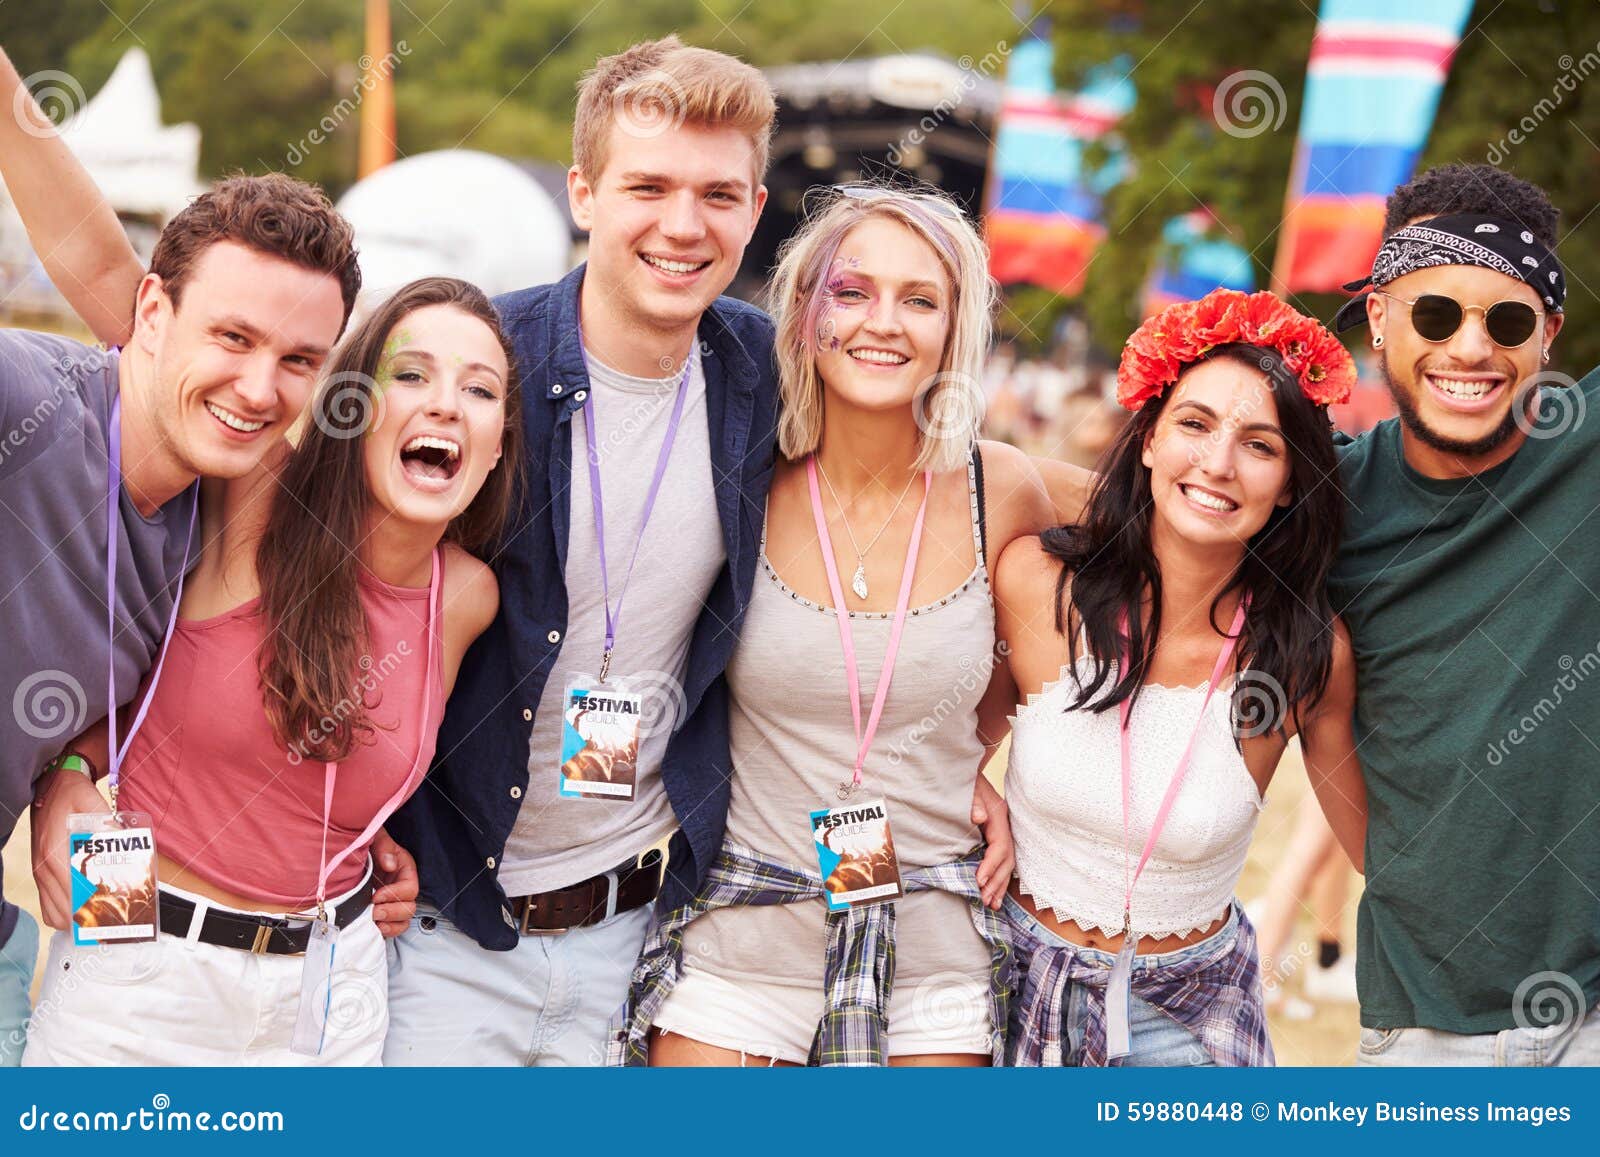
point(249, 288)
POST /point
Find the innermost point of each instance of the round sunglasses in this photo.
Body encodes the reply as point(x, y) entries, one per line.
point(1436, 318)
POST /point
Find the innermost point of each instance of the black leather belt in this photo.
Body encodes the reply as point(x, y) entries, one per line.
point(269, 935)
point(628, 886)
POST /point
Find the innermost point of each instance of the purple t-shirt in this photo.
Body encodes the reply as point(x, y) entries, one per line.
point(55, 402)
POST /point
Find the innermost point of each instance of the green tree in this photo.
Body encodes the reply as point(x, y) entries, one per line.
point(1512, 55)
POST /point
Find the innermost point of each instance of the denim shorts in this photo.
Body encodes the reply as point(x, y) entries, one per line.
point(1158, 1040)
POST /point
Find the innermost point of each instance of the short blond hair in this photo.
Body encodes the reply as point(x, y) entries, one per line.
point(664, 83)
point(950, 406)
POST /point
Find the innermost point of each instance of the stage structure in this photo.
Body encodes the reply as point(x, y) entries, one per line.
point(921, 117)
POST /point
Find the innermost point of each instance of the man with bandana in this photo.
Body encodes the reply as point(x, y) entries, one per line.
point(1470, 581)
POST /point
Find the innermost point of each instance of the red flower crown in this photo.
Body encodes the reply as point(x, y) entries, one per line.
point(1183, 333)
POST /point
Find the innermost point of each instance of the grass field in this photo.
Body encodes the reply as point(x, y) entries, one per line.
point(1328, 1038)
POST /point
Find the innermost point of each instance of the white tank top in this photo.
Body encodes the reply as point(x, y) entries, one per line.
point(1064, 788)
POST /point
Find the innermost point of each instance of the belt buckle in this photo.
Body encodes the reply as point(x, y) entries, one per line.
point(263, 937)
point(522, 924)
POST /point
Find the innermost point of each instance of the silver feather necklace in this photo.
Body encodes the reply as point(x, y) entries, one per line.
point(858, 581)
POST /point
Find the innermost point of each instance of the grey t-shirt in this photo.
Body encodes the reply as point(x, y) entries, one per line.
point(55, 403)
point(559, 841)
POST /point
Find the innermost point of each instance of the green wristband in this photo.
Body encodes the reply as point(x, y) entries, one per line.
point(74, 762)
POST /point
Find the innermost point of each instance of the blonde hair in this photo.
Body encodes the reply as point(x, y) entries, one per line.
point(661, 84)
point(950, 406)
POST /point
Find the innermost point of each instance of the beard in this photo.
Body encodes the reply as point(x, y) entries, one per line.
point(1411, 419)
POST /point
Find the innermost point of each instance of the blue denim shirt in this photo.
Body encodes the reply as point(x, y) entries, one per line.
point(458, 822)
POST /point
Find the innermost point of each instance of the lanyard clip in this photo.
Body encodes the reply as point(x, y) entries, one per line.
point(322, 912)
point(605, 664)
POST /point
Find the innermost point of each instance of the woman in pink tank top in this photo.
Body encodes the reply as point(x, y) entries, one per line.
point(296, 706)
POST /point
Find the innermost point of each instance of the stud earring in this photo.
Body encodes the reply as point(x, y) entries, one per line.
point(1377, 342)
point(1545, 357)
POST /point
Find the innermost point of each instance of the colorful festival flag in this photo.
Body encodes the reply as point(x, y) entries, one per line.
point(1372, 87)
point(1198, 257)
point(1043, 206)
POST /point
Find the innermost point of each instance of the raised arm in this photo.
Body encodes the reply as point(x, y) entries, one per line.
point(72, 227)
point(1328, 742)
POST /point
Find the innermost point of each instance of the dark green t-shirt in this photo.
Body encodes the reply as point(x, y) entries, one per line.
point(1474, 605)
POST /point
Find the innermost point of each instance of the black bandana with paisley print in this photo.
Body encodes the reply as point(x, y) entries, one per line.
point(1460, 239)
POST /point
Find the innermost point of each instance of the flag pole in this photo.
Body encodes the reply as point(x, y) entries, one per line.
point(377, 108)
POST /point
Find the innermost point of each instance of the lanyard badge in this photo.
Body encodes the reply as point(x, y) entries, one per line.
point(599, 740)
point(599, 755)
point(855, 850)
point(316, 973)
point(855, 853)
point(112, 856)
point(1119, 986)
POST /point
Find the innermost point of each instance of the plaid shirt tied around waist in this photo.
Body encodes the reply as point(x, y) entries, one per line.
point(1216, 995)
point(858, 974)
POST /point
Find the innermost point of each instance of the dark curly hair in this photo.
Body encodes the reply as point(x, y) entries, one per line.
point(1473, 188)
point(277, 215)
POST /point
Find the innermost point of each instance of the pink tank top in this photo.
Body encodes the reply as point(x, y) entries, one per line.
point(229, 802)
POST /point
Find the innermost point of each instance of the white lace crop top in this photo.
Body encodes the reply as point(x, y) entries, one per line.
point(1064, 789)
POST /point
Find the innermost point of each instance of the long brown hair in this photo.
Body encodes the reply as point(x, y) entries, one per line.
point(315, 631)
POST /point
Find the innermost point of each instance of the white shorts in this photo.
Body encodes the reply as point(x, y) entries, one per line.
point(945, 1013)
point(176, 1001)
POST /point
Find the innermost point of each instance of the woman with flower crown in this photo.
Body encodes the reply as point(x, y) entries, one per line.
point(1167, 649)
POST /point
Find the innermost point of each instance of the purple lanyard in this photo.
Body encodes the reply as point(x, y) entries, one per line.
point(598, 501)
point(113, 517)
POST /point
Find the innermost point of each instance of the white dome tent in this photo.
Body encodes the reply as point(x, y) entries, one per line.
point(143, 167)
point(148, 172)
point(455, 213)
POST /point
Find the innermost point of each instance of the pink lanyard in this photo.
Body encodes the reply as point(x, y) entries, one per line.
point(851, 675)
point(1119, 985)
point(1125, 709)
point(399, 797)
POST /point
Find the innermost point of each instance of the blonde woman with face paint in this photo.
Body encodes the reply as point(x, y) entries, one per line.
point(865, 690)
